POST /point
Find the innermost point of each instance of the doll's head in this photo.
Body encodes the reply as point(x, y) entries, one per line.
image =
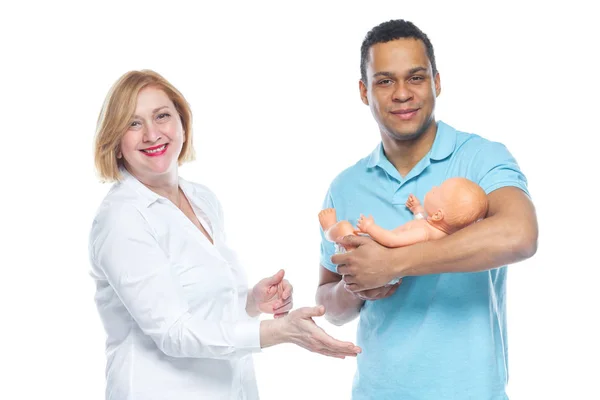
point(455, 204)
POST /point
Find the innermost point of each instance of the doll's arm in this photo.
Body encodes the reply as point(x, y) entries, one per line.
point(414, 205)
point(396, 238)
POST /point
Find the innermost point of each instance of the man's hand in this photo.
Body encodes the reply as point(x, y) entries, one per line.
point(378, 293)
point(369, 266)
point(273, 295)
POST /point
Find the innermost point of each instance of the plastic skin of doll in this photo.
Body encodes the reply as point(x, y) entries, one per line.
point(335, 229)
point(455, 204)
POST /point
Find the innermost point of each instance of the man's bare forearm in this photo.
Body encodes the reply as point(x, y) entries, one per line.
point(341, 306)
point(488, 244)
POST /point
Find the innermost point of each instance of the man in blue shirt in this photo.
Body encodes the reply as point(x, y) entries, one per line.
point(440, 333)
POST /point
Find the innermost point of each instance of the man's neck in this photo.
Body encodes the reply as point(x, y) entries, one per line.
point(405, 154)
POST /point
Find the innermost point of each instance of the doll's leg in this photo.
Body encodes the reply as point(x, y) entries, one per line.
point(327, 218)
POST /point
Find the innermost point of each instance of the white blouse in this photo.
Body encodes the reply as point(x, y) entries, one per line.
point(173, 305)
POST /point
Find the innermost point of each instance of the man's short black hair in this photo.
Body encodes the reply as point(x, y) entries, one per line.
point(392, 30)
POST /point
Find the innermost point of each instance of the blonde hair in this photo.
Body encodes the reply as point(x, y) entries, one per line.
point(117, 111)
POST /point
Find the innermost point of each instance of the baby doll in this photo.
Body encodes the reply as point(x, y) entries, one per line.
point(455, 204)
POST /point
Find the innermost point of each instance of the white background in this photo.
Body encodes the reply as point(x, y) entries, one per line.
point(274, 91)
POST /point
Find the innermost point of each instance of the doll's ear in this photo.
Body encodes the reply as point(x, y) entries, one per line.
point(438, 216)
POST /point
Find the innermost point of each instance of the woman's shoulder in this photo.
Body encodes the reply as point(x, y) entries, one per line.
point(118, 207)
point(197, 188)
point(121, 215)
point(201, 192)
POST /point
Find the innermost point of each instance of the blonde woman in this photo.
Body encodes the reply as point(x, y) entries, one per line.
point(180, 319)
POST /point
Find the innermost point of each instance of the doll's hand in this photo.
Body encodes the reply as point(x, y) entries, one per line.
point(365, 223)
point(412, 203)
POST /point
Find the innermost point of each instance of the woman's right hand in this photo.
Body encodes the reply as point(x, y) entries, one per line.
point(299, 328)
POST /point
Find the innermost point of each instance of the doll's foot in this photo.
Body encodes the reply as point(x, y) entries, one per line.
point(365, 223)
point(327, 218)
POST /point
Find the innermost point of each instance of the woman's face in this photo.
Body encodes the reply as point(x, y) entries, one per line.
point(151, 146)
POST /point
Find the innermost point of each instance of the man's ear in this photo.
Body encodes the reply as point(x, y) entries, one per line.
point(362, 87)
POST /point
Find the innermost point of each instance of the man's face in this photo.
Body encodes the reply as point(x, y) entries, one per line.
point(401, 88)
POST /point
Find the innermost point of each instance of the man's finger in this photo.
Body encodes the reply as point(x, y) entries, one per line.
point(362, 296)
point(379, 293)
point(372, 294)
point(343, 269)
point(341, 258)
point(393, 289)
point(352, 241)
point(349, 279)
point(351, 287)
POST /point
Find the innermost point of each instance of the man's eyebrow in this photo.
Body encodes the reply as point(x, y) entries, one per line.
point(384, 73)
point(417, 69)
point(392, 75)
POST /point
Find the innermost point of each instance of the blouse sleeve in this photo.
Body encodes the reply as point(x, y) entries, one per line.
point(124, 248)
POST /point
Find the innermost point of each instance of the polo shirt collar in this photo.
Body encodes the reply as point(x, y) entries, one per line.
point(444, 143)
point(443, 146)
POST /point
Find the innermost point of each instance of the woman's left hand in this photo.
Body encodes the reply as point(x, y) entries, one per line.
point(273, 295)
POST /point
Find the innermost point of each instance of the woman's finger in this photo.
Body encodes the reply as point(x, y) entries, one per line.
point(287, 306)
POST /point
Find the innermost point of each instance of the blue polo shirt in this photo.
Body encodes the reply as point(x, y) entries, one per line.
point(439, 336)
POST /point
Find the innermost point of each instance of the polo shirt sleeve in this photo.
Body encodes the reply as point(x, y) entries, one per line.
point(496, 167)
point(327, 247)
